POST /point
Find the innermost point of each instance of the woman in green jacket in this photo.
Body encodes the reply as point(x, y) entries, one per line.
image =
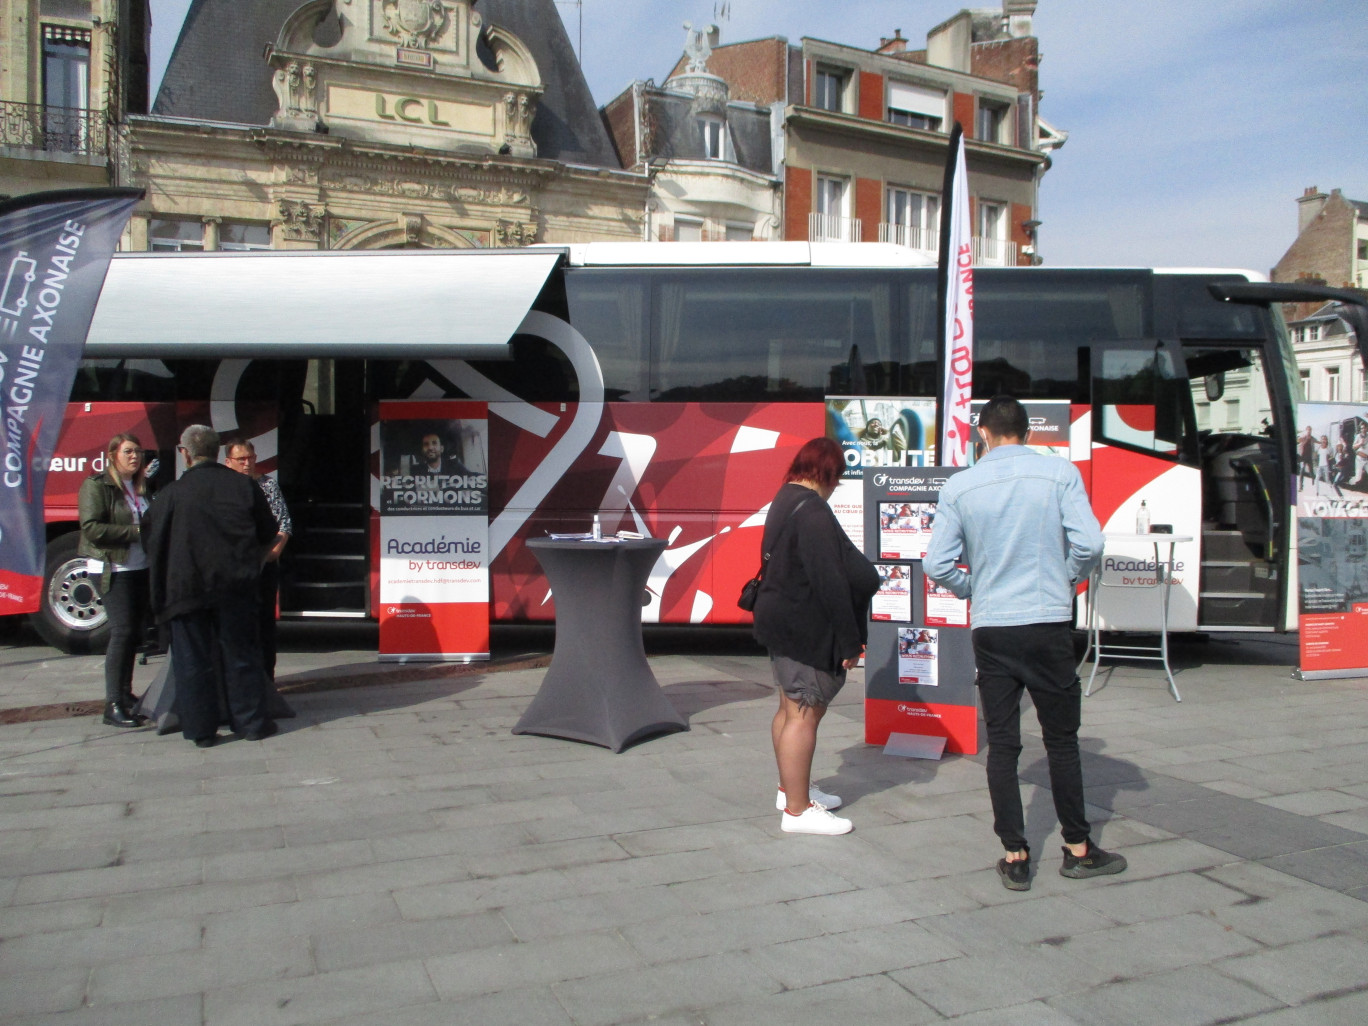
point(112, 504)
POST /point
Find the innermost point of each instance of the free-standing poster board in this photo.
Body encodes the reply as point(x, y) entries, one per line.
point(434, 531)
point(919, 663)
point(1332, 540)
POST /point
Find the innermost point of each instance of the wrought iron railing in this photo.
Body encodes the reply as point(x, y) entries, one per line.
point(36, 126)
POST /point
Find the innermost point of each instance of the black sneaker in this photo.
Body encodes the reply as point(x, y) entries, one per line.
point(1096, 863)
point(1016, 876)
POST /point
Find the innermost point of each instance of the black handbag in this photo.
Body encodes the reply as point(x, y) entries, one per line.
point(750, 591)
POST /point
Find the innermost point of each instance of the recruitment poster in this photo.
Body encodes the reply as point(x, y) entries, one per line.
point(434, 531)
point(893, 600)
point(1332, 540)
point(905, 529)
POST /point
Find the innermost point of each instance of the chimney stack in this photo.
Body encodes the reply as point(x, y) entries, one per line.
point(895, 45)
point(1309, 206)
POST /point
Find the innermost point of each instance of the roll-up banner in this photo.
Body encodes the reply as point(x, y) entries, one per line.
point(1332, 540)
point(434, 531)
point(54, 252)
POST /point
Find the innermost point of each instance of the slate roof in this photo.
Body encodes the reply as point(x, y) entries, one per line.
point(678, 135)
point(217, 73)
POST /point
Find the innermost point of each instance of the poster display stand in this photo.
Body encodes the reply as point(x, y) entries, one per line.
point(434, 531)
point(1332, 541)
point(919, 663)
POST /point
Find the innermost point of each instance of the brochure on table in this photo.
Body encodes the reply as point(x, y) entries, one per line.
point(1332, 540)
point(919, 664)
point(433, 500)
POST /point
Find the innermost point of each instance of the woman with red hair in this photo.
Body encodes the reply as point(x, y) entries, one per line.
point(812, 615)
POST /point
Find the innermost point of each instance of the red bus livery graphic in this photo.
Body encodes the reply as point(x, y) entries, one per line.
point(668, 397)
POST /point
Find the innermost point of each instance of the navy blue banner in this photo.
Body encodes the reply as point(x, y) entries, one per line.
point(54, 252)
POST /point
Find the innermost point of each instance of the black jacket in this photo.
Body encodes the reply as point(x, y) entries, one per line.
point(813, 604)
point(205, 534)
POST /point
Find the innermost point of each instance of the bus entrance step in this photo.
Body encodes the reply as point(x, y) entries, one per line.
point(1235, 608)
point(1221, 545)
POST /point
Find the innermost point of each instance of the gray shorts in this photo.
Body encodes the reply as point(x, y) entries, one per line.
point(806, 685)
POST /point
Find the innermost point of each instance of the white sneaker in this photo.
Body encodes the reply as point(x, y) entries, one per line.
point(829, 801)
point(814, 820)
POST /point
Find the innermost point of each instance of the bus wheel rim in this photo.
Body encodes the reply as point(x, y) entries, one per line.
point(72, 597)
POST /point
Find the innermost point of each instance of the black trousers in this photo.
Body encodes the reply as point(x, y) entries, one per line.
point(267, 590)
point(1038, 658)
point(222, 636)
point(126, 605)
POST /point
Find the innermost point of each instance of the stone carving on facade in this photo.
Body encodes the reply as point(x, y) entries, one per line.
point(416, 24)
point(698, 47)
point(301, 221)
point(412, 225)
point(518, 109)
point(347, 180)
point(515, 233)
point(301, 174)
point(296, 89)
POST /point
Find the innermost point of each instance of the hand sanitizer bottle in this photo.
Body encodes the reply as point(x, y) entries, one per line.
point(1142, 519)
point(598, 528)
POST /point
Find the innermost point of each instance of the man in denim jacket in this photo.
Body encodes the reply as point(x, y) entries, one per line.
point(1022, 523)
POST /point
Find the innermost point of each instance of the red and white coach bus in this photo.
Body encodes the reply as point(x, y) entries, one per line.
point(666, 388)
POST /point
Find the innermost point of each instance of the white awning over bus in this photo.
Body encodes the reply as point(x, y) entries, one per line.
point(385, 304)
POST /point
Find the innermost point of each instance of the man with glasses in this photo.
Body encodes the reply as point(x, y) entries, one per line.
point(206, 535)
point(242, 458)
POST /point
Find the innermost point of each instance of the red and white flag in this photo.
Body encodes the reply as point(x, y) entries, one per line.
point(957, 309)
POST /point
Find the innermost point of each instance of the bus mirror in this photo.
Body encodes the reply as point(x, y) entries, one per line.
point(1215, 385)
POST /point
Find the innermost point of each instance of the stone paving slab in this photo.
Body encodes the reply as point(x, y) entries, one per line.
point(396, 855)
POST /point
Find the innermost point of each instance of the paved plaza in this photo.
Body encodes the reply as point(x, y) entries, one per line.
point(397, 856)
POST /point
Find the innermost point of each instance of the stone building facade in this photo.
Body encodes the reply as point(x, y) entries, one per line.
point(375, 123)
point(70, 72)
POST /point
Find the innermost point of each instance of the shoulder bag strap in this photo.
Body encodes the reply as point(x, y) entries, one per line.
point(764, 559)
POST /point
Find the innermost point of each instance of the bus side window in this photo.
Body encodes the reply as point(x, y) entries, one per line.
point(609, 310)
point(758, 335)
point(1141, 401)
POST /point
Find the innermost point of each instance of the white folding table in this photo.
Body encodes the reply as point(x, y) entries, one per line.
point(1163, 574)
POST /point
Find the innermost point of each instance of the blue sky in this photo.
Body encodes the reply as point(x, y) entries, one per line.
point(1193, 126)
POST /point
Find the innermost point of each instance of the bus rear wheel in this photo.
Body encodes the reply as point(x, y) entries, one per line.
point(72, 615)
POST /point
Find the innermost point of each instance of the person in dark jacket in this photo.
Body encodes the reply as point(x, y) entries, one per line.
point(812, 615)
point(206, 537)
point(111, 506)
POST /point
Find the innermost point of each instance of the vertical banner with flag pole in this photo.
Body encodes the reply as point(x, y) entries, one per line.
point(54, 252)
point(955, 311)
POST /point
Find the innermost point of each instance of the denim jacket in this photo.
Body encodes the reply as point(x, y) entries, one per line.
point(1022, 523)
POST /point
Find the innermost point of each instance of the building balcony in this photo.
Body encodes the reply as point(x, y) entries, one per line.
point(55, 132)
point(829, 228)
point(994, 252)
point(925, 239)
point(987, 252)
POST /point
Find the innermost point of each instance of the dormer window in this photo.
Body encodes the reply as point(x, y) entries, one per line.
point(714, 138)
point(916, 106)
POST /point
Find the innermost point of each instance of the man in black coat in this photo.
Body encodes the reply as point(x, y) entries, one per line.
point(206, 535)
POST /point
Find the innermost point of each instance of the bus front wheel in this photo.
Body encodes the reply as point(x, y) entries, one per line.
point(72, 616)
